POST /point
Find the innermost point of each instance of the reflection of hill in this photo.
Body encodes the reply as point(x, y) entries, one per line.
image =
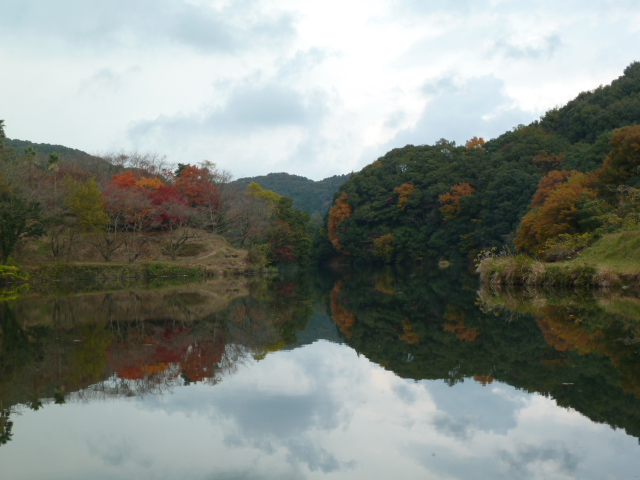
point(124, 343)
point(432, 327)
point(182, 303)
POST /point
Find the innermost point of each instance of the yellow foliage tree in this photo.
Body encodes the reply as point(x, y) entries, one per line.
point(153, 183)
point(475, 142)
point(403, 192)
point(254, 189)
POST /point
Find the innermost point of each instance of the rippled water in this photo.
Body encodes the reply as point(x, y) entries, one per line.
point(367, 375)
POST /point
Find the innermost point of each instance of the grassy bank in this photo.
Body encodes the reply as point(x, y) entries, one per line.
point(613, 260)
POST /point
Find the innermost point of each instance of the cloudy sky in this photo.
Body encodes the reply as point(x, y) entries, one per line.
point(307, 87)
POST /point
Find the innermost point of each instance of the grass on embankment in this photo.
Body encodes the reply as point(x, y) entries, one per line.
point(619, 252)
point(613, 260)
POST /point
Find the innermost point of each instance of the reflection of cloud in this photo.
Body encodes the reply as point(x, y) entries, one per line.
point(282, 421)
point(529, 457)
point(116, 452)
point(406, 392)
point(255, 475)
point(315, 458)
point(269, 413)
point(278, 416)
point(469, 406)
point(461, 427)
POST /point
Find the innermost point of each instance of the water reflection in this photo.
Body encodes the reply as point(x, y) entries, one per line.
point(230, 379)
point(580, 348)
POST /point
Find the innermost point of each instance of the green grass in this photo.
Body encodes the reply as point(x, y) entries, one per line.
point(617, 251)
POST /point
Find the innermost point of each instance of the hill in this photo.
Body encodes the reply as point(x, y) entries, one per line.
point(308, 195)
point(447, 200)
point(72, 157)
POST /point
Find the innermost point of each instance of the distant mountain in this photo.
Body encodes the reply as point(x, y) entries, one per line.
point(309, 195)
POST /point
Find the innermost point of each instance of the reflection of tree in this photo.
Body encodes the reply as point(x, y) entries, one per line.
point(455, 324)
point(91, 347)
point(342, 316)
point(6, 425)
point(583, 357)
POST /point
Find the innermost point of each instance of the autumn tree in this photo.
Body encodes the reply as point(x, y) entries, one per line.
point(403, 192)
point(557, 215)
point(255, 190)
point(195, 185)
point(338, 214)
point(548, 184)
point(475, 142)
point(450, 201)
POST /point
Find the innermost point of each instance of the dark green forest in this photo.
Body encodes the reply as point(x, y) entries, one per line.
point(565, 174)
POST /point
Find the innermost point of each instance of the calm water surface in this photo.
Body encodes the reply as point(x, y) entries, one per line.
point(367, 375)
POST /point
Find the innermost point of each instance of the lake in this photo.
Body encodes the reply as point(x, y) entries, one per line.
point(367, 374)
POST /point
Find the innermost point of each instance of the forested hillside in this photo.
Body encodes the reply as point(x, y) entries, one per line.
point(308, 195)
point(57, 202)
point(448, 200)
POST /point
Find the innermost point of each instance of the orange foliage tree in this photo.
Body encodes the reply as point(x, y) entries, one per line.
point(403, 192)
point(338, 214)
point(193, 182)
point(548, 184)
point(475, 142)
point(556, 215)
point(152, 184)
point(450, 201)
